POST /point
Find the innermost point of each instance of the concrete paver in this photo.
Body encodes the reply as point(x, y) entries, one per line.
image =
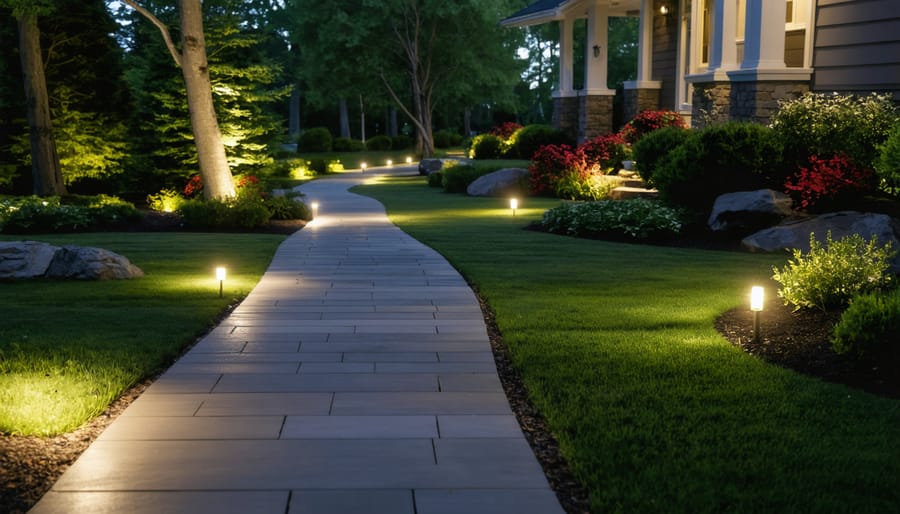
point(356, 377)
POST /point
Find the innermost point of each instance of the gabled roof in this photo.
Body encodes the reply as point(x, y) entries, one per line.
point(539, 12)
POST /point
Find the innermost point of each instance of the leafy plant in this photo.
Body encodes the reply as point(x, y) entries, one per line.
point(167, 200)
point(346, 144)
point(447, 139)
point(505, 130)
point(888, 164)
point(455, 178)
point(586, 186)
point(525, 142)
point(648, 121)
point(549, 164)
point(869, 327)
point(33, 214)
point(604, 153)
point(401, 142)
point(486, 146)
point(638, 218)
point(436, 179)
point(287, 208)
point(829, 275)
point(314, 140)
point(653, 149)
point(379, 143)
point(826, 182)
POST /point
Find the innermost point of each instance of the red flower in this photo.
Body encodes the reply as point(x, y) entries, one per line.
point(552, 162)
point(603, 152)
point(827, 180)
point(194, 186)
point(648, 121)
point(505, 130)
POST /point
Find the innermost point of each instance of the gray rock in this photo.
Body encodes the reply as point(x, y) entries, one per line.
point(25, 259)
point(429, 166)
point(91, 264)
point(748, 211)
point(501, 182)
point(841, 224)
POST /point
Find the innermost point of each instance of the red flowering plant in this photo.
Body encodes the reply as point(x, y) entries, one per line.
point(828, 181)
point(648, 121)
point(505, 130)
point(550, 164)
point(248, 186)
point(193, 187)
point(603, 154)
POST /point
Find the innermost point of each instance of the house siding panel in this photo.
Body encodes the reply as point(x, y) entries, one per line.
point(857, 46)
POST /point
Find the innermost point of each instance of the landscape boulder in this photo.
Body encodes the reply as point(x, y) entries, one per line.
point(429, 166)
point(25, 259)
point(499, 183)
point(841, 224)
point(31, 259)
point(748, 211)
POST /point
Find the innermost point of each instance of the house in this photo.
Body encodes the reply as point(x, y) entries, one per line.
point(714, 60)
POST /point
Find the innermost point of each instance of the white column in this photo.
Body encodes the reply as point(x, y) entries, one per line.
point(723, 49)
point(764, 35)
point(645, 49)
point(597, 36)
point(565, 58)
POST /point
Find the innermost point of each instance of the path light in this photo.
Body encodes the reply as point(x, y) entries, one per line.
point(756, 305)
point(220, 276)
point(315, 209)
point(409, 160)
point(362, 166)
point(390, 162)
point(513, 204)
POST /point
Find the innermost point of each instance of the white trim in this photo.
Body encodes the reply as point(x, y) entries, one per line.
point(596, 92)
point(773, 74)
point(642, 84)
point(563, 94)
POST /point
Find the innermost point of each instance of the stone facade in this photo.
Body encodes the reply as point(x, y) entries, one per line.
point(595, 116)
point(638, 100)
point(565, 114)
point(718, 102)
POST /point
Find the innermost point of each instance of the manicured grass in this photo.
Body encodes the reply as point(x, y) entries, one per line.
point(654, 410)
point(68, 348)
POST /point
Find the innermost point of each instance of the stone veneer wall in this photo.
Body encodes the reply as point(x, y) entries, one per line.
point(718, 102)
point(565, 114)
point(637, 100)
point(596, 116)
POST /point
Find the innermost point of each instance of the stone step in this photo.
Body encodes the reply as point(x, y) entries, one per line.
point(627, 193)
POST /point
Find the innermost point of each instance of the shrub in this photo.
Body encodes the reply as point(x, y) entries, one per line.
point(868, 329)
point(505, 130)
point(379, 143)
point(447, 139)
point(436, 179)
point(888, 164)
point(638, 218)
point(167, 200)
point(318, 165)
point(653, 149)
point(648, 121)
point(527, 140)
point(832, 124)
point(830, 275)
point(550, 164)
point(828, 183)
point(346, 144)
point(314, 140)
point(401, 142)
point(604, 153)
point(52, 214)
point(735, 156)
point(243, 212)
point(586, 186)
point(456, 178)
point(287, 208)
point(486, 146)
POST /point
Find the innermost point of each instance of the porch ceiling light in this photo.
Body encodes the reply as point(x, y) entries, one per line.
point(664, 9)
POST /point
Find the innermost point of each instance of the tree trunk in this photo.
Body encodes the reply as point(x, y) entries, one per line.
point(362, 120)
point(345, 118)
point(217, 179)
point(392, 122)
point(47, 175)
point(467, 122)
point(294, 115)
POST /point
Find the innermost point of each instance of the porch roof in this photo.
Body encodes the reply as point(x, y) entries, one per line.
point(545, 11)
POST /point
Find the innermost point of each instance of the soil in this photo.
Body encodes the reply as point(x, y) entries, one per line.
point(797, 340)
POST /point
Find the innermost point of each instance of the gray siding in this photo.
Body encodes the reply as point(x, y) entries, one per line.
point(665, 52)
point(857, 46)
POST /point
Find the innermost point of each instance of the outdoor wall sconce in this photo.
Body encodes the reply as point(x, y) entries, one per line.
point(513, 204)
point(596, 51)
point(664, 9)
point(362, 166)
point(220, 276)
point(756, 305)
point(315, 209)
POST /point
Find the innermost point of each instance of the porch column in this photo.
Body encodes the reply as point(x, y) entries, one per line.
point(595, 110)
point(643, 94)
point(764, 35)
point(565, 102)
point(722, 46)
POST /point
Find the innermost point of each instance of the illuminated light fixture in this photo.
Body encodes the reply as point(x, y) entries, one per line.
point(596, 51)
point(363, 166)
point(315, 209)
point(513, 204)
point(409, 160)
point(757, 296)
point(390, 162)
point(664, 9)
point(220, 276)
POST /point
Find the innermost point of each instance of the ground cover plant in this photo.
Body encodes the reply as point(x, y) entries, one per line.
point(654, 409)
point(68, 348)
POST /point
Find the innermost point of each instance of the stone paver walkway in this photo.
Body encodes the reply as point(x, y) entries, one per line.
point(357, 377)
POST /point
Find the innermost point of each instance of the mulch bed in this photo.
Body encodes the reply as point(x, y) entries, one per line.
point(797, 340)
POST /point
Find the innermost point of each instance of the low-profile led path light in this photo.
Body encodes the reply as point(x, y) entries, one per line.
point(513, 204)
point(220, 276)
point(757, 295)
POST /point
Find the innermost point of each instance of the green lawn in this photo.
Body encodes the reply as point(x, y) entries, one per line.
point(68, 348)
point(654, 410)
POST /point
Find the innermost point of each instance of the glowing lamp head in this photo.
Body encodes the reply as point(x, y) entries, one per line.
point(390, 162)
point(757, 297)
point(409, 160)
point(363, 166)
point(220, 273)
point(513, 203)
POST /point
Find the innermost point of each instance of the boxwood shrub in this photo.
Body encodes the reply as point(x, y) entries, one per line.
point(379, 143)
point(526, 141)
point(314, 140)
point(638, 218)
point(652, 149)
point(868, 330)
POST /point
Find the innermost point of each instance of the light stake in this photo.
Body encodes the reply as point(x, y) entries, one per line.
point(220, 276)
point(409, 160)
point(315, 209)
point(390, 162)
point(757, 295)
point(513, 204)
point(362, 166)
